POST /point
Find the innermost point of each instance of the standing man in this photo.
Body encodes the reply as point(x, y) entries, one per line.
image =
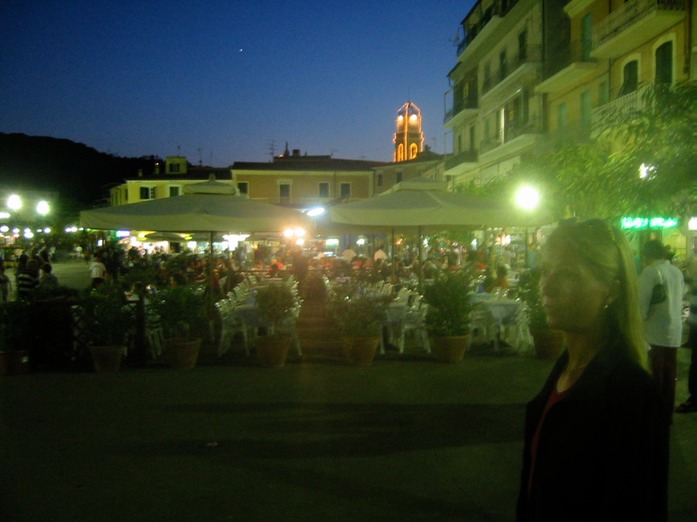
point(690, 405)
point(661, 310)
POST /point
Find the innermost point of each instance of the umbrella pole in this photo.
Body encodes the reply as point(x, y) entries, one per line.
point(393, 267)
point(420, 248)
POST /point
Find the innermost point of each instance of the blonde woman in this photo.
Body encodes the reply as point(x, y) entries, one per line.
point(596, 445)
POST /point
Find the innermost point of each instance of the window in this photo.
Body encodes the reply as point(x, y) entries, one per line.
point(147, 193)
point(459, 144)
point(345, 190)
point(284, 192)
point(562, 115)
point(174, 168)
point(400, 152)
point(586, 108)
point(664, 63)
point(471, 144)
point(379, 180)
point(413, 151)
point(630, 78)
point(399, 177)
point(243, 187)
point(503, 65)
point(487, 75)
point(523, 46)
point(324, 189)
point(173, 192)
point(586, 37)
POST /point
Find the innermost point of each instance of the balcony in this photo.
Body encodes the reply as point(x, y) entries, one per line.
point(461, 110)
point(635, 23)
point(468, 156)
point(521, 66)
point(577, 66)
point(513, 138)
point(629, 102)
point(485, 26)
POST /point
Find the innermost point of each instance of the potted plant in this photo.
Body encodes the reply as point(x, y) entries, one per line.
point(15, 328)
point(104, 320)
point(278, 309)
point(360, 314)
point(182, 314)
point(449, 313)
point(548, 342)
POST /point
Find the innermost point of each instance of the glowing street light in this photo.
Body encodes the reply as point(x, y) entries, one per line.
point(43, 208)
point(527, 197)
point(14, 202)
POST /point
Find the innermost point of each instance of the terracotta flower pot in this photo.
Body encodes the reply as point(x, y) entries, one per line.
point(450, 349)
point(183, 353)
point(107, 359)
point(272, 351)
point(360, 351)
point(548, 343)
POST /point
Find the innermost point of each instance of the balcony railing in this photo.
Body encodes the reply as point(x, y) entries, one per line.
point(468, 156)
point(629, 14)
point(480, 17)
point(629, 102)
point(510, 132)
point(532, 54)
point(471, 102)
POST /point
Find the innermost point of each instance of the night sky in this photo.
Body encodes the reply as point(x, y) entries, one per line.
point(220, 81)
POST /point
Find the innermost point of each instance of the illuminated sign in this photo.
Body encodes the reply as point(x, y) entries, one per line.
point(653, 222)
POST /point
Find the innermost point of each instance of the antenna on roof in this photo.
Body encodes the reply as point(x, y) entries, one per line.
point(272, 148)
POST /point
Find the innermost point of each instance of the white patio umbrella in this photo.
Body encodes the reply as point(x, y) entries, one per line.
point(209, 206)
point(427, 204)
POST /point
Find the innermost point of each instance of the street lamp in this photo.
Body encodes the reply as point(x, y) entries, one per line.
point(42, 208)
point(527, 197)
point(14, 202)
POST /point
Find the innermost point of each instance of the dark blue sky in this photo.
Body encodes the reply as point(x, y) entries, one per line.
point(163, 77)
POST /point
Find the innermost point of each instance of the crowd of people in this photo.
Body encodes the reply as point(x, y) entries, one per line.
point(33, 276)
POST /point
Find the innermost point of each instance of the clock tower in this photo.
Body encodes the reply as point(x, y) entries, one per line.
point(408, 139)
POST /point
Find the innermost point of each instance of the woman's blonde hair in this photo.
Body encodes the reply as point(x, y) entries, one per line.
point(606, 251)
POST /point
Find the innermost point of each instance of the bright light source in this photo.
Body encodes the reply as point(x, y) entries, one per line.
point(646, 171)
point(527, 197)
point(288, 233)
point(42, 208)
point(122, 233)
point(47, 230)
point(360, 242)
point(692, 224)
point(14, 202)
point(5, 215)
point(332, 242)
point(4, 229)
point(191, 245)
point(28, 234)
point(299, 232)
point(314, 212)
point(413, 117)
point(300, 242)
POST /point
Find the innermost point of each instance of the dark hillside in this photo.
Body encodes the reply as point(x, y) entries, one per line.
point(80, 174)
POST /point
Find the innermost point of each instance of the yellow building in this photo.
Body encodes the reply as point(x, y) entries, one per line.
point(166, 181)
point(492, 108)
point(302, 181)
point(616, 49)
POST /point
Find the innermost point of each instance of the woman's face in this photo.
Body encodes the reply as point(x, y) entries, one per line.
point(572, 296)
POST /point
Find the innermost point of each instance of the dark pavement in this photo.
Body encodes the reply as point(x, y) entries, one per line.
point(406, 439)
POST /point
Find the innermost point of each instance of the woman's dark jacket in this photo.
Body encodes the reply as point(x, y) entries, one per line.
point(603, 449)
